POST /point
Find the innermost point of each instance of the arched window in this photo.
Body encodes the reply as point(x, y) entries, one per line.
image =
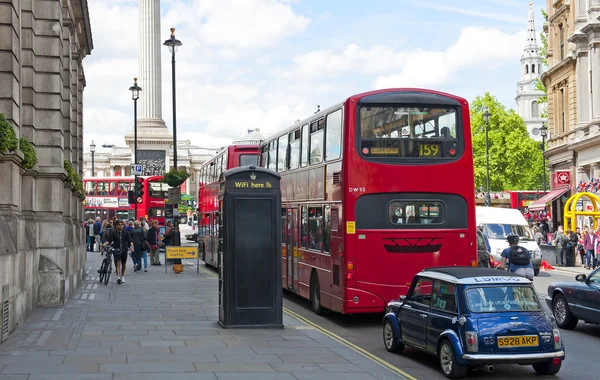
point(526, 69)
point(539, 68)
point(532, 69)
point(535, 109)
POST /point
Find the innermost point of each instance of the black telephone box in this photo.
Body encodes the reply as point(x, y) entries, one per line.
point(250, 293)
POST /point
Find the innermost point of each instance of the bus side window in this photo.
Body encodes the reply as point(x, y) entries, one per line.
point(273, 155)
point(316, 141)
point(294, 155)
point(304, 153)
point(333, 135)
point(315, 228)
point(304, 227)
point(282, 153)
point(224, 166)
point(327, 229)
point(264, 156)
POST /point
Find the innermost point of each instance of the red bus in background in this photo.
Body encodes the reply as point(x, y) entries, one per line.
point(208, 195)
point(106, 197)
point(521, 199)
point(374, 190)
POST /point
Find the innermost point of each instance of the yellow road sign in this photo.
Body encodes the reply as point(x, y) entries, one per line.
point(182, 252)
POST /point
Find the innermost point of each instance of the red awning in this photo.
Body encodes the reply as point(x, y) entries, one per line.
point(540, 204)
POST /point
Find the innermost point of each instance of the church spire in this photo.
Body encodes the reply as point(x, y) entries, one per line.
point(531, 46)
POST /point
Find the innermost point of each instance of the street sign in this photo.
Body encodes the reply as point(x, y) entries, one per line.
point(139, 200)
point(137, 169)
point(182, 252)
point(174, 195)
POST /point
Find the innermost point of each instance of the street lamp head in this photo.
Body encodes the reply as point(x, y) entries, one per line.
point(92, 147)
point(173, 43)
point(486, 115)
point(135, 90)
point(544, 131)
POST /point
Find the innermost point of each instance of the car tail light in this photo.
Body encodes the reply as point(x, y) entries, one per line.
point(557, 340)
point(471, 338)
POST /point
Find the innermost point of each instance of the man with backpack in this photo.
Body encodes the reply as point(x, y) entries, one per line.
point(519, 258)
point(560, 241)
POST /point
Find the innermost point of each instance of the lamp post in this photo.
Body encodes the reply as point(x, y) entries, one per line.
point(92, 151)
point(135, 95)
point(544, 133)
point(173, 43)
point(486, 117)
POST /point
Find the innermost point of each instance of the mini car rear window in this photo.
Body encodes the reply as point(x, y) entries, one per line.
point(499, 299)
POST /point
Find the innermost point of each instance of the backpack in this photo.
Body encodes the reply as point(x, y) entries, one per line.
point(519, 255)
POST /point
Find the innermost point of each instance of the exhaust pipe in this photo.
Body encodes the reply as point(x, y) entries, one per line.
point(489, 368)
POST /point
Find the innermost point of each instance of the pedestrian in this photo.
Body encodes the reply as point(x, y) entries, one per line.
point(122, 243)
point(519, 258)
point(596, 244)
point(153, 238)
point(129, 226)
point(106, 231)
point(588, 245)
point(572, 245)
point(560, 242)
point(89, 234)
point(537, 236)
point(139, 239)
point(144, 224)
point(97, 232)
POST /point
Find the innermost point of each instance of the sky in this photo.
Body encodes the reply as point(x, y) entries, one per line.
point(266, 63)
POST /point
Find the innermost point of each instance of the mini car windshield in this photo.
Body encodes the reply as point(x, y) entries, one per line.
point(500, 299)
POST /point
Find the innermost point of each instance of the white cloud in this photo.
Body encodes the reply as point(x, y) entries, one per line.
point(469, 12)
point(476, 49)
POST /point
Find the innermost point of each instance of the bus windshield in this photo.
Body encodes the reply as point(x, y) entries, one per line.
point(409, 132)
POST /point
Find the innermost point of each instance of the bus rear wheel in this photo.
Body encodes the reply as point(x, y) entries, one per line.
point(315, 294)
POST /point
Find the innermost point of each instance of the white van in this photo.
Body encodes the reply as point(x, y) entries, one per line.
point(497, 223)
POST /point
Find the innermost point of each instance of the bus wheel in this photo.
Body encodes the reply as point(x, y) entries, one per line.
point(315, 294)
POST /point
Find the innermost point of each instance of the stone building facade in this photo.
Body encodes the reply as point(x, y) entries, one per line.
point(42, 242)
point(573, 87)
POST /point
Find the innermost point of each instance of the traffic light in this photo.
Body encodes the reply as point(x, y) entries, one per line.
point(139, 189)
point(131, 197)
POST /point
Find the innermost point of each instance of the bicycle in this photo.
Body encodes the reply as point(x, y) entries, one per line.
point(106, 266)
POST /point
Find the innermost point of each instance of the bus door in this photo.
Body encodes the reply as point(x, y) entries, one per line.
point(292, 249)
point(336, 250)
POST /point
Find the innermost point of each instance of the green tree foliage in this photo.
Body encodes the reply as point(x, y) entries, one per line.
point(8, 138)
point(515, 158)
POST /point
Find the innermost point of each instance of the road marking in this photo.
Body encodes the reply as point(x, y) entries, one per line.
point(43, 338)
point(84, 296)
point(57, 314)
point(92, 296)
point(95, 286)
point(311, 325)
point(350, 345)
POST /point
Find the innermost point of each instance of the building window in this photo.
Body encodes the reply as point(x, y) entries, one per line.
point(561, 33)
point(526, 69)
point(562, 110)
point(533, 69)
point(535, 111)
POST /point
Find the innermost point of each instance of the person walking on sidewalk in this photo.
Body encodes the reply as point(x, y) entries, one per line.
point(588, 245)
point(121, 241)
point(139, 240)
point(560, 241)
point(89, 233)
point(153, 238)
point(97, 232)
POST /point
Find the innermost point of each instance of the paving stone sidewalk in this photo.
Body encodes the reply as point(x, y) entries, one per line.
point(164, 326)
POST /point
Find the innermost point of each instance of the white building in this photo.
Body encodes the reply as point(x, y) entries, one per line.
point(527, 97)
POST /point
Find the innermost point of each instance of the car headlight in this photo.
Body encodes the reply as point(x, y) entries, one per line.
point(537, 252)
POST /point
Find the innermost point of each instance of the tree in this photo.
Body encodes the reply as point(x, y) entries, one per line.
point(515, 158)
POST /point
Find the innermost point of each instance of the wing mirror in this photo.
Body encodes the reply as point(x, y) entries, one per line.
point(581, 277)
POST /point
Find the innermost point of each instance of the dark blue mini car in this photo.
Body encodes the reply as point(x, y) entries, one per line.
point(474, 318)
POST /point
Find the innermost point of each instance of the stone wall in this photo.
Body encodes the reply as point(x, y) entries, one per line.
point(42, 242)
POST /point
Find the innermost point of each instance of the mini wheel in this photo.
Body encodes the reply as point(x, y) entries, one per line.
point(548, 367)
point(389, 340)
point(448, 364)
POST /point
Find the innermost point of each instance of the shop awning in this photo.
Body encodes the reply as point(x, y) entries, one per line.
point(540, 204)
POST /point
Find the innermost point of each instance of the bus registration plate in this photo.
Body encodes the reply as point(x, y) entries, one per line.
point(518, 341)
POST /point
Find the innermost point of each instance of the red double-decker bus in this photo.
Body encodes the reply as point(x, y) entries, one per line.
point(521, 199)
point(374, 189)
point(208, 195)
point(107, 197)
